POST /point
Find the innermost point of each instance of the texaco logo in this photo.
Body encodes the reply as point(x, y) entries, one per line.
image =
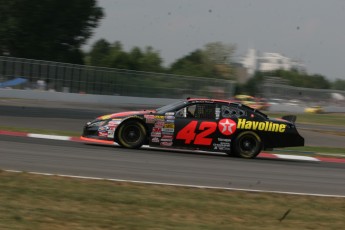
point(227, 126)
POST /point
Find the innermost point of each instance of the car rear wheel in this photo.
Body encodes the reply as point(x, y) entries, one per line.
point(247, 145)
point(131, 134)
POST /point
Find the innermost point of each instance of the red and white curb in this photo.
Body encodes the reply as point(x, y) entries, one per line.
point(261, 155)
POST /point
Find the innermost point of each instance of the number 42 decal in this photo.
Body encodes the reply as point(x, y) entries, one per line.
point(188, 134)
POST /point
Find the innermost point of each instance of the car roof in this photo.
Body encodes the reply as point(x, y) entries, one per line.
point(210, 100)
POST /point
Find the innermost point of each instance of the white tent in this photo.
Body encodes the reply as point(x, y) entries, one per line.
point(338, 96)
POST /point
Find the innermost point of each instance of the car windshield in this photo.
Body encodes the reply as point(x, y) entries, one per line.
point(170, 107)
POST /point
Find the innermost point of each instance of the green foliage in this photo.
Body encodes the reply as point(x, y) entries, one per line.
point(338, 84)
point(100, 50)
point(193, 64)
point(113, 55)
point(149, 60)
point(116, 58)
point(48, 30)
point(213, 61)
point(219, 53)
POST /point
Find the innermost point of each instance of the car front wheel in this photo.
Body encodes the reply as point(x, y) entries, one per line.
point(131, 134)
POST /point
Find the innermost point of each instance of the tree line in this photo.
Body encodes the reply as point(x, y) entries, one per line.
point(56, 30)
point(214, 60)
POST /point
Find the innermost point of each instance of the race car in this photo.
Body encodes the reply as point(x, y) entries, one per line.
point(314, 109)
point(253, 102)
point(197, 124)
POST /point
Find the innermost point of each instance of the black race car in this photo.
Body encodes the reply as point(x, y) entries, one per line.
point(203, 124)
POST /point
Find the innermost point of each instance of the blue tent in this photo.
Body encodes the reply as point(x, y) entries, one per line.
point(13, 82)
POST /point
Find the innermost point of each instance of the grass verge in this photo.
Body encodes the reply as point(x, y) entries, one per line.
point(31, 201)
point(323, 119)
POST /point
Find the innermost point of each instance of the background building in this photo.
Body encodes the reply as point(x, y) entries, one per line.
point(269, 62)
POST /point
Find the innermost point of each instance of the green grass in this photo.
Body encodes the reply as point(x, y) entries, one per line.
point(31, 201)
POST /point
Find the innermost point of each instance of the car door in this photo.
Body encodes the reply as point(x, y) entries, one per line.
point(195, 126)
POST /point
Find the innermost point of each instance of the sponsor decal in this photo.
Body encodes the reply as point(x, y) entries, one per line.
point(170, 125)
point(156, 130)
point(167, 133)
point(203, 101)
point(224, 140)
point(113, 127)
point(102, 134)
point(150, 119)
point(169, 117)
point(166, 143)
point(227, 126)
point(159, 117)
point(105, 117)
point(110, 133)
point(155, 140)
point(261, 126)
point(166, 139)
point(168, 130)
point(223, 146)
point(169, 121)
point(159, 124)
point(168, 136)
point(114, 122)
point(156, 134)
point(169, 114)
point(103, 129)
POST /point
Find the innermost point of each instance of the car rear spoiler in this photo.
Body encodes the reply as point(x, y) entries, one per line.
point(291, 118)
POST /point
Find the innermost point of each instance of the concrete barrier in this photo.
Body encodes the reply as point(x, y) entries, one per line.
point(82, 98)
point(127, 101)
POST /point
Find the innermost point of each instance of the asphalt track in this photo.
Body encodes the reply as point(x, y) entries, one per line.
point(215, 170)
point(72, 117)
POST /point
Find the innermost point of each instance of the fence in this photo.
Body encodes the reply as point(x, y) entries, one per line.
point(63, 77)
point(307, 95)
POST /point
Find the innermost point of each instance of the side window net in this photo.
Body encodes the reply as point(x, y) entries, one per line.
point(232, 112)
point(206, 111)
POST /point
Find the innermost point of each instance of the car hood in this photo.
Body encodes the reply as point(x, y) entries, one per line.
point(125, 114)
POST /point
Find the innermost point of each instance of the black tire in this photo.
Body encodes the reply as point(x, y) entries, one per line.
point(247, 145)
point(131, 134)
